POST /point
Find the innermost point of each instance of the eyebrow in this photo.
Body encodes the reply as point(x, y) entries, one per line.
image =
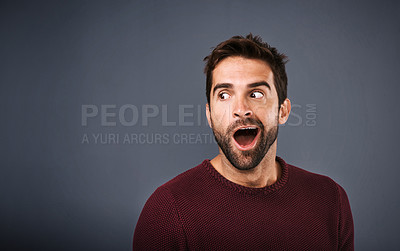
point(262, 83)
point(221, 86)
point(230, 86)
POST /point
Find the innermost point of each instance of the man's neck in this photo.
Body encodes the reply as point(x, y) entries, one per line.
point(264, 174)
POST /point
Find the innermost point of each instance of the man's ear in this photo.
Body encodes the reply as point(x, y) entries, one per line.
point(208, 115)
point(284, 111)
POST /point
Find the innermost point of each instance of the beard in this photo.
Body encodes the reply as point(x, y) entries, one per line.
point(246, 160)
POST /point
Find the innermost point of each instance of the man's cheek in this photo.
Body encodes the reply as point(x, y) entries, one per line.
point(221, 117)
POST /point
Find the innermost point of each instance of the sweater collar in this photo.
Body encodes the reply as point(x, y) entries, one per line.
point(249, 190)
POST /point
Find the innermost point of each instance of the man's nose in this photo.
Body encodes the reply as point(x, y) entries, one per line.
point(241, 109)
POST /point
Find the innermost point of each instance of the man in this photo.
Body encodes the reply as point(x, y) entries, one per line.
point(246, 198)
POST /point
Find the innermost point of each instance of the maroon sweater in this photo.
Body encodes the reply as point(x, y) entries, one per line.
point(201, 210)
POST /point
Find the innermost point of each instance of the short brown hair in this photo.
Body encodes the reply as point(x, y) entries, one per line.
point(251, 47)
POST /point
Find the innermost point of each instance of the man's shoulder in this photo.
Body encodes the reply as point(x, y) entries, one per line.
point(311, 180)
point(189, 179)
point(300, 171)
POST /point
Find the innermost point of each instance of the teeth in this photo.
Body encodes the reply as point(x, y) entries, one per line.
point(246, 128)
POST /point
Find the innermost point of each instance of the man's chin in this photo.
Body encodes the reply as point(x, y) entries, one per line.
point(243, 162)
point(245, 167)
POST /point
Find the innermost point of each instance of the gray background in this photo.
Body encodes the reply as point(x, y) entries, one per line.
point(59, 193)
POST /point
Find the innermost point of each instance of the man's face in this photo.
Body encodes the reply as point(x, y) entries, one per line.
point(243, 110)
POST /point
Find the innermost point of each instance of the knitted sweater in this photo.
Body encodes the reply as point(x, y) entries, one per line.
point(201, 210)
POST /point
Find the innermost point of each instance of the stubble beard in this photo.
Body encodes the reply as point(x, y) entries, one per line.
point(246, 160)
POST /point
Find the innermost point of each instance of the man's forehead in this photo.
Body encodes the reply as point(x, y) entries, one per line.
point(239, 70)
point(241, 62)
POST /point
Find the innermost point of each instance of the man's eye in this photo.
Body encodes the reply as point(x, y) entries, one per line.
point(224, 95)
point(257, 95)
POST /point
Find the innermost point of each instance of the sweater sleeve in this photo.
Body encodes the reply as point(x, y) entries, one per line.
point(346, 227)
point(159, 226)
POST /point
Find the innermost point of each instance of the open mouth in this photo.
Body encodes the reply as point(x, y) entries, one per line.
point(245, 137)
